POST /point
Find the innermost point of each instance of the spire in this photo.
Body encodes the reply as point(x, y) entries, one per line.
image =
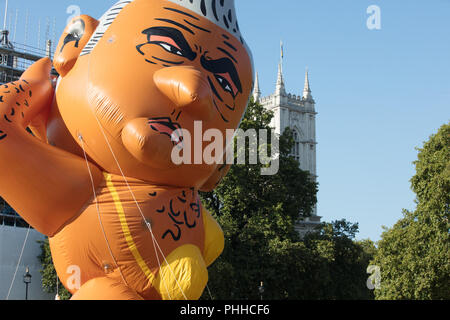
point(280, 89)
point(307, 90)
point(281, 55)
point(256, 89)
point(6, 15)
point(4, 41)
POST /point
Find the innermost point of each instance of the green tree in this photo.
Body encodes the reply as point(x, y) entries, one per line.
point(342, 262)
point(50, 281)
point(414, 254)
point(258, 215)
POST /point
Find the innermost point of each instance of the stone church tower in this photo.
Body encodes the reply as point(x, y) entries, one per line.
point(298, 113)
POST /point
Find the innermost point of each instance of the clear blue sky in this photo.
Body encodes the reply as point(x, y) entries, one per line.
point(379, 93)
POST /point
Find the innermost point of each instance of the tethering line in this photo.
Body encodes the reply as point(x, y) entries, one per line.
point(80, 137)
point(133, 195)
point(155, 242)
point(209, 291)
point(18, 262)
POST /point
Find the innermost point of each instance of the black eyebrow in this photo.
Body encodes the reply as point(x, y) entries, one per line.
point(176, 24)
point(230, 45)
point(223, 65)
point(182, 12)
point(174, 34)
point(197, 27)
point(228, 54)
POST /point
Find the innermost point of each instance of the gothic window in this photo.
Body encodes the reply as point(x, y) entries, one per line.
point(296, 149)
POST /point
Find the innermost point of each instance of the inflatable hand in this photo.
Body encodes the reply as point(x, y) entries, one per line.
point(29, 97)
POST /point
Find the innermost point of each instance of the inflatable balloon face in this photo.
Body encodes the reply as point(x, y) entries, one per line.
point(148, 69)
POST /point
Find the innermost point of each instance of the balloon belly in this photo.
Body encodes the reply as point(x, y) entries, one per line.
point(129, 232)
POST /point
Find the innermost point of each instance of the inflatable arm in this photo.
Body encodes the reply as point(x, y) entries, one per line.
point(35, 176)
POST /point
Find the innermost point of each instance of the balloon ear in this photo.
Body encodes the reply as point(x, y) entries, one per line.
point(75, 37)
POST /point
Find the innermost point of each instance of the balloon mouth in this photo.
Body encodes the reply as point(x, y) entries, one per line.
point(167, 127)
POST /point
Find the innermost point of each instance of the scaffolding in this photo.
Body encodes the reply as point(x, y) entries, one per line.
point(15, 58)
point(10, 218)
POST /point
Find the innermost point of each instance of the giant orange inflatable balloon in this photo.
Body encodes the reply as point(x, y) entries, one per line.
point(97, 177)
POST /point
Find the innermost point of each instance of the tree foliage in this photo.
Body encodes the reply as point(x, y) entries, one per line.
point(259, 214)
point(414, 254)
point(342, 261)
point(50, 281)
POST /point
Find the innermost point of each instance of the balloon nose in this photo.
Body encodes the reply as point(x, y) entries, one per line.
point(188, 89)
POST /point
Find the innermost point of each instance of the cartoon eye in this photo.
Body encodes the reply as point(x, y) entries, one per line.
point(225, 84)
point(166, 43)
point(170, 48)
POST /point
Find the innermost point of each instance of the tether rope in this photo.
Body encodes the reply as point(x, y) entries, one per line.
point(155, 242)
point(18, 262)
